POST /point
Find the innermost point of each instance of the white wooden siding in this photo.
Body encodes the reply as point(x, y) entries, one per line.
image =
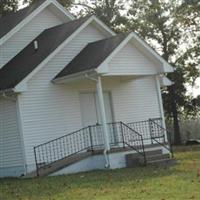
point(136, 100)
point(132, 100)
point(10, 142)
point(22, 38)
point(49, 111)
point(129, 60)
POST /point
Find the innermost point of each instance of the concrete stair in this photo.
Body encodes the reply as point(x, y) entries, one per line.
point(153, 158)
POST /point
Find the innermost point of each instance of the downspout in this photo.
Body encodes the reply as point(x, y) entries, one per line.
point(103, 118)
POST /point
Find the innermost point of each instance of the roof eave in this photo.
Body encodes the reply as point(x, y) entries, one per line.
point(74, 77)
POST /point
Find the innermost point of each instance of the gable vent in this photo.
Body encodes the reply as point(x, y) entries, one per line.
point(36, 45)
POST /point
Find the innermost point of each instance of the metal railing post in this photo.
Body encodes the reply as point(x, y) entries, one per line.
point(37, 170)
point(150, 130)
point(91, 141)
point(122, 132)
point(170, 143)
point(143, 149)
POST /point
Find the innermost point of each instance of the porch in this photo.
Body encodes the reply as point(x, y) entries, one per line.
point(133, 138)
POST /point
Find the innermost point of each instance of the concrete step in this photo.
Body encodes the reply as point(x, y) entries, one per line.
point(148, 154)
point(153, 152)
point(152, 157)
point(162, 163)
point(158, 157)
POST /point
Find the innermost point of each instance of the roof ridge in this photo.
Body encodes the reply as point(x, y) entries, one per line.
point(112, 37)
point(98, 52)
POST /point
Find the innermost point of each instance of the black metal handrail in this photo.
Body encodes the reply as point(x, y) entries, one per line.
point(68, 145)
point(88, 138)
point(133, 139)
point(121, 133)
point(155, 127)
point(143, 127)
point(153, 130)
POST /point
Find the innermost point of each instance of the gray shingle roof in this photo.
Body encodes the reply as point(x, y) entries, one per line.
point(92, 55)
point(9, 21)
point(29, 58)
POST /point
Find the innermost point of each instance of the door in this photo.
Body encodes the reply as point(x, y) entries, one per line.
point(88, 109)
point(90, 113)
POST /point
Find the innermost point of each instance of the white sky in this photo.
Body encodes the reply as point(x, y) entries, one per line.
point(195, 91)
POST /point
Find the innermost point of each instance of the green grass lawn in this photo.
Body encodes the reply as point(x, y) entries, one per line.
point(181, 182)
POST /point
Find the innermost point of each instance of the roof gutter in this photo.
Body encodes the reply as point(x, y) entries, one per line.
point(75, 76)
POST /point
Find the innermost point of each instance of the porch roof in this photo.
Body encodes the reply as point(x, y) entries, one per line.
point(92, 55)
point(96, 55)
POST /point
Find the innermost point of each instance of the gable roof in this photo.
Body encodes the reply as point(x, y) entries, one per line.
point(92, 55)
point(11, 21)
point(95, 54)
point(29, 58)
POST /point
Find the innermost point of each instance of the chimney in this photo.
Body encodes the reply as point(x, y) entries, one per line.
point(36, 45)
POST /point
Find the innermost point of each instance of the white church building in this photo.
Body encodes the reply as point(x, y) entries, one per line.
point(75, 96)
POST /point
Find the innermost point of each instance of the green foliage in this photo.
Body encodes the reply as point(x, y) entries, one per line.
point(109, 11)
point(179, 182)
point(8, 6)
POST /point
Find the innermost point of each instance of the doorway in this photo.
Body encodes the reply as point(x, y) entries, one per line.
point(90, 113)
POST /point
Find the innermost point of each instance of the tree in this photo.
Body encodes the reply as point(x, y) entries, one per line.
point(65, 3)
point(109, 11)
point(172, 29)
point(8, 6)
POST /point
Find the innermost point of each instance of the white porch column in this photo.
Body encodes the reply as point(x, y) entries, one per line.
point(161, 105)
point(160, 101)
point(103, 113)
